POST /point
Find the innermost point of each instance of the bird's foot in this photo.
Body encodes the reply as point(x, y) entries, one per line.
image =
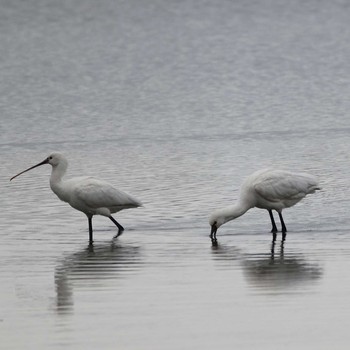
point(274, 236)
point(284, 235)
point(120, 232)
point(212, 236)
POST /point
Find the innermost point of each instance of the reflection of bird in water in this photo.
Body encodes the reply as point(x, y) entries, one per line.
point(92, 267)
point(225, 254)
point(275, 273)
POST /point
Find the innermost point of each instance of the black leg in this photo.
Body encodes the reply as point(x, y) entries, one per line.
point(282, 250)
point(274, 227)
point(273, 249)
point(274, 236)
point(284, 228)
point(120, 227)
point(90, 229)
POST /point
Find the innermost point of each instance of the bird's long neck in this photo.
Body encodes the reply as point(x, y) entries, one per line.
point(56, 179)
point(234, 211)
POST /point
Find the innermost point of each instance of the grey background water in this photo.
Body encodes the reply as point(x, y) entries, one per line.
point(175, 102)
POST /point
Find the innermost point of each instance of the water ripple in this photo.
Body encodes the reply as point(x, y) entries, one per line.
point(278, 272)
point(92, 267)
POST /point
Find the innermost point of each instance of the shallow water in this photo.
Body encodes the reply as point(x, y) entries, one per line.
point(175, 103)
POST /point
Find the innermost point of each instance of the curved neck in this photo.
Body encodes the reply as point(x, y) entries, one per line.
point(58, 172)
point(56, 183)
point(234, 211)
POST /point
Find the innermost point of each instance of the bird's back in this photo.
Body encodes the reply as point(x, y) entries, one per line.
point(93, 193)
point(281, 188)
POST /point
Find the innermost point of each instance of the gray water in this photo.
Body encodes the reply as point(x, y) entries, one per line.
point(175, 102)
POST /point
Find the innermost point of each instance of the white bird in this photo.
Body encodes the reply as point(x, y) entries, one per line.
point(86, 194)
point(267, 189)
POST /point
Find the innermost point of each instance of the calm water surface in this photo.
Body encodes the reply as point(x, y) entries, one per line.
point(176, 103)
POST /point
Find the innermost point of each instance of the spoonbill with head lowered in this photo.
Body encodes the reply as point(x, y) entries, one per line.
point(267, 189)
point(86, 194)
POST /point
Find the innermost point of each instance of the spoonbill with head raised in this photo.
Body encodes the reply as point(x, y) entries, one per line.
point(87, 194)
point(267, 189)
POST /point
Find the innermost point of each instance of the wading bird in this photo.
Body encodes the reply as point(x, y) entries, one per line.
point(86, 194)
point(270, 190)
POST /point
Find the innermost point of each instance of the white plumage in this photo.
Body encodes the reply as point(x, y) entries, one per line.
point(267, 189)
point(94, 196)
point(86, 194)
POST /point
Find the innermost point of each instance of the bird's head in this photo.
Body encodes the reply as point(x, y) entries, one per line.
point(215, 221)
point(221, 216)
point(53, 159)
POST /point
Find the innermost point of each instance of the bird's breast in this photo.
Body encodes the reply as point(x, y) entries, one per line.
point(61, 192)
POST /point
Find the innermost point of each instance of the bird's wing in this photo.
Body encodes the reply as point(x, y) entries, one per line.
point(97, 194)
point(282, 185)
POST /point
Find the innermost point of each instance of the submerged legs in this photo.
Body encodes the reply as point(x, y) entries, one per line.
point(120, 227)
point(274, 227)
point(90, 229)
point(284, 228)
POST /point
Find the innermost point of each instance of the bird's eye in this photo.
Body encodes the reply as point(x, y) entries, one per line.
point(50, 157)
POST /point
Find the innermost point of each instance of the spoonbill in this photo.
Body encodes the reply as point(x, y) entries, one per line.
point(86, 194)
point(267, 189)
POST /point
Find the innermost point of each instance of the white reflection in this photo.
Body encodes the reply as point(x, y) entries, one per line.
point(92, 267)
point(278, 272)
